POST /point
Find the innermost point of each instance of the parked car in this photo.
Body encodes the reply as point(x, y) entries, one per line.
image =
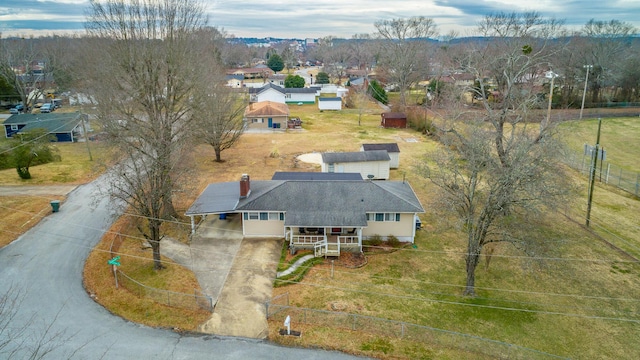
point(46, 108)
point(17, 109)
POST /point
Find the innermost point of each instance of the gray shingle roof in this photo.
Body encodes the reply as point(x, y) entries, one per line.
point(356, 156)
point(390, 147)
point(51, 122)
point(307, 175)
point(311, 203)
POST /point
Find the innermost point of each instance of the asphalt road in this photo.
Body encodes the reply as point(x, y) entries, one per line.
point(44, 268)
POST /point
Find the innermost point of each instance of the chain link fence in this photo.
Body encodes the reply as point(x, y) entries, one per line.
point(194, 301)
point(606, 172)
point(278, 309)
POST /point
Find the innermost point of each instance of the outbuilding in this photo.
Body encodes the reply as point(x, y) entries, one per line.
point(393, 120)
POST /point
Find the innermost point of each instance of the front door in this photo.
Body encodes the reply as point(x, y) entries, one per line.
point(270, 122)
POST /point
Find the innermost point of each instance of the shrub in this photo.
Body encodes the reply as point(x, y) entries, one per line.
point(393, 241)
point(375, 240)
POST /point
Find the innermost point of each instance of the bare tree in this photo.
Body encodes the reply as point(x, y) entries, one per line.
point(498, 168)
point(403, 55)
point(23, 66)
point(218, 112)
point(144, 86)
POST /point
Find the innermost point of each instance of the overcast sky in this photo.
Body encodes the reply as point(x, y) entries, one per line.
point(319, 18)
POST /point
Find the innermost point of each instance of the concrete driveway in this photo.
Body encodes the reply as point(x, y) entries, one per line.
point(237, 273)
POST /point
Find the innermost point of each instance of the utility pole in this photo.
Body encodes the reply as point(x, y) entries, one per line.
point(584, 93)
point(592, 177)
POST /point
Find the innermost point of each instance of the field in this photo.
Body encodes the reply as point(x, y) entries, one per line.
point(582, 302)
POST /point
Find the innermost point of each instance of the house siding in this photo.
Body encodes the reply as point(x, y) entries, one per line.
point(379, 169)
point(404, 229)
point(263, 228)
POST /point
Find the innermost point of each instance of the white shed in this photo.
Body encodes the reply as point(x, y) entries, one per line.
point(372, 164)
point(392, 149)
point(329, 103)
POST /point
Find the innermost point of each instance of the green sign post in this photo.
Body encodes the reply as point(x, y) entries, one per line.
point(115, 263)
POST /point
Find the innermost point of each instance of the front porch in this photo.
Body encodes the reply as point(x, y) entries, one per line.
point(324, 241)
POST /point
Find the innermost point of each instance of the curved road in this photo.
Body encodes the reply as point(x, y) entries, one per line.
point(44, 268)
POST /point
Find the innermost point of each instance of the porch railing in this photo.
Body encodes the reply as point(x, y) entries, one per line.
point(349, 239)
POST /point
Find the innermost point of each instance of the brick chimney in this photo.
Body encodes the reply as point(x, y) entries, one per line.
point(245, 187)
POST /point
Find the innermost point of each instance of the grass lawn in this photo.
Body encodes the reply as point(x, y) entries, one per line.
point(582, 302)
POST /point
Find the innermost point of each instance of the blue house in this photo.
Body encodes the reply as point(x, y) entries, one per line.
point(67, 127)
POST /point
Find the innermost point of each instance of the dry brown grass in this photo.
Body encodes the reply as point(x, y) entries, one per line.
point(21, 213)
point(136, 261)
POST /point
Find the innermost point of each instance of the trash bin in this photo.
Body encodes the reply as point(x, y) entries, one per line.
point(55, 205)
point(223, 216)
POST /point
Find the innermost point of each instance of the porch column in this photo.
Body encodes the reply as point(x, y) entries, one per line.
point(360, 238)
point(193, 225)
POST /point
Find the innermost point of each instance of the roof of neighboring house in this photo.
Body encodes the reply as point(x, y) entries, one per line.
point(266, 108)
point(312, 203)
point(253, 70)
point(356, 156)
point(390, 147)
point(301, 90)
point(235, 76)
point(307, 175)
point(330, 98)
point(51, 122)
point(394, 115)
point(266, 87)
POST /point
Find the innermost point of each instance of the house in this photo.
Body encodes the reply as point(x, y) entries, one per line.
point(329, 103)
point(67, 127)
point(235, 81)
point(300, 95)
point(393, 120)
point(392, 149)
point(372, 164)
point(327, 216)
point(277, 79)
point(268, 92)
point(266, 115)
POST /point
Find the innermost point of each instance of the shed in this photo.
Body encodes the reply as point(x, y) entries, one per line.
point(391, 148)
point(329, 103)
point(393, 120)
point(372, 164)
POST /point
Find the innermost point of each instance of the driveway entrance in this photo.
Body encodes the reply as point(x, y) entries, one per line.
point(237, 273)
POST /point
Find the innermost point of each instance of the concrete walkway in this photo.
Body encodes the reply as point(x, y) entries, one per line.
point(295, 266)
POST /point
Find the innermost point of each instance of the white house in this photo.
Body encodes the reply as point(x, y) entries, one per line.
point(391, 148)
point(300, 95)
point(268, 92)
point(372, 164)
point(329, 103)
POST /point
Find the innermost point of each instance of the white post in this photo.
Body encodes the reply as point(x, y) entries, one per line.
point(193, 225)
point(287, 323)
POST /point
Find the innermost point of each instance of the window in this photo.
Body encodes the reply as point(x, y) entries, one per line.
point(264, 216)
point(14, 127)
point(383, 217)
point(331, 168)
point(257, 121)
point(253, 216)
point(274, 216)
point(392, 217)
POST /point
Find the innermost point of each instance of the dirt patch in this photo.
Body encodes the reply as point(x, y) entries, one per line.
point(311, 158)
point(351, 260)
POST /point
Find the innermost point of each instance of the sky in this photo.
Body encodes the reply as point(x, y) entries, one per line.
point(319, 18)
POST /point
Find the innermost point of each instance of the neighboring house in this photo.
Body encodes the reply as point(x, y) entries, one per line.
point(266, 115)
point(327, 216)
point(277, 79)
point(393, 120)
point(370, 164)
point(235, 81)
point(329, 103)
point(67, 127)
point(391, 148)
point(300, 95)
point(268, 92)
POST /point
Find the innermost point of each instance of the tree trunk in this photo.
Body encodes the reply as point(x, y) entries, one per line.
point(154, 241)
point(473, 256)
point(218, 152)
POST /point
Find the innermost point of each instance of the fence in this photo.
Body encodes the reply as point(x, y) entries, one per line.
point(607, 173)
point(473, 346)
point(194, 301)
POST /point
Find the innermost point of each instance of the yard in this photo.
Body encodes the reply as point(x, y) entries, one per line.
point(580, 303)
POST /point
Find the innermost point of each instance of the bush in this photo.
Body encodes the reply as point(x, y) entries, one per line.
point(393, 241)
point(375, 240)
